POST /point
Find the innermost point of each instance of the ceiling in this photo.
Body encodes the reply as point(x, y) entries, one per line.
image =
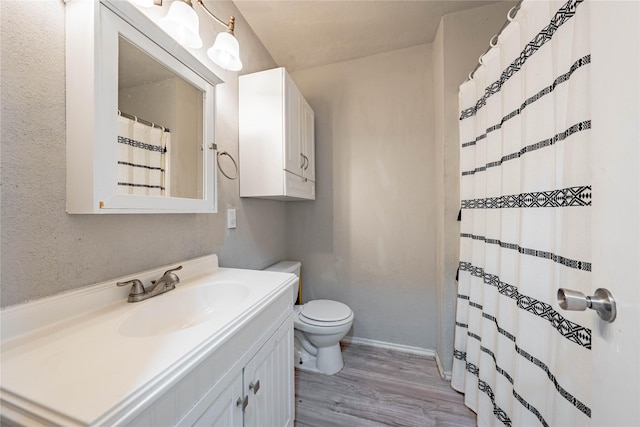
point(309, 33)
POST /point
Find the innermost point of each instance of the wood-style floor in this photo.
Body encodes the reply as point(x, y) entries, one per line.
point(379, 387)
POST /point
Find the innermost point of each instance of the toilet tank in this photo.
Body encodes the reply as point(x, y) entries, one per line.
point(288, 267)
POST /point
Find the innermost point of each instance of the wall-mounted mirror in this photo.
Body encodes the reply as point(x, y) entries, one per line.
point(140, 112)
point(160, 146)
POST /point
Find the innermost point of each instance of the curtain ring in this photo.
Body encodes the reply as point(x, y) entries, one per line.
point(471, 75)
point(509, 17)
point(491, 43)
point(480, 59)
point(224, 153)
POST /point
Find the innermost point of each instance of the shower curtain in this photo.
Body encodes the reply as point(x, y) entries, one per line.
point(525, 225)
point(142, 158)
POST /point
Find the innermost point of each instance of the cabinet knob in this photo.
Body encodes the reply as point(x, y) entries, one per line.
point(243, 402)
point(255, 387)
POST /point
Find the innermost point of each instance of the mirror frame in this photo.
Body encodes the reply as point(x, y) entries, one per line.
point(93, 29)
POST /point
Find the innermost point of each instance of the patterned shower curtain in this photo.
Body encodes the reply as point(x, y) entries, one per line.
point(525, 231)
point(142, 158)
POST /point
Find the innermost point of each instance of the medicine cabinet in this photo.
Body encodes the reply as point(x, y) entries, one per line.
point(140, 115)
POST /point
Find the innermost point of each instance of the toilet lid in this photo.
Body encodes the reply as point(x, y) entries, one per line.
point(323, 310)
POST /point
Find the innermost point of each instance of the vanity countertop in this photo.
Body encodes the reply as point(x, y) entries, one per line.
point(78, 356)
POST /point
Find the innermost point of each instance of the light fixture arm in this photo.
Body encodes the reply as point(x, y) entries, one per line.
point(232, 20)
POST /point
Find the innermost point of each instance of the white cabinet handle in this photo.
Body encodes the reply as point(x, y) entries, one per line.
point(306, 162)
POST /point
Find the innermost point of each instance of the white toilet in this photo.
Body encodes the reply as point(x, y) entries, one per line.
point(319, 327)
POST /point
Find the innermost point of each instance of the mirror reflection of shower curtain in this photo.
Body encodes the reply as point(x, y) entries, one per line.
point(142, 158)
point(526, 220)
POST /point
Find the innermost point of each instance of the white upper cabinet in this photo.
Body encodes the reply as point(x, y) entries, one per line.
point(140, 115)
point(277, 159)
point(308, 142)
point(293, 126)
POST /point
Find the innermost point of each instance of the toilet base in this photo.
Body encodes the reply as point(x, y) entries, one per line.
point(327, 361)
point(305, 362)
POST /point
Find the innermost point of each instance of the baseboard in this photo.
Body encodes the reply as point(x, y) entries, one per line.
point(445, 375)
point(391, 346)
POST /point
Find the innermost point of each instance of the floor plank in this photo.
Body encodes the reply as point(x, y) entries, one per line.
point(379, 387)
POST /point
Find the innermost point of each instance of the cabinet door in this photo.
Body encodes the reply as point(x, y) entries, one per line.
point(294, 161)
point(109, 29)
point(308, 142)
point(268, 382)
point(225, 411)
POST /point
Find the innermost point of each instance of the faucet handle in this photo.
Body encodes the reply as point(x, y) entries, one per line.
point(173, 276)
point(136, 289)
point(172, 270)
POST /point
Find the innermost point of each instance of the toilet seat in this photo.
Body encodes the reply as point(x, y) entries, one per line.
point(325, 313)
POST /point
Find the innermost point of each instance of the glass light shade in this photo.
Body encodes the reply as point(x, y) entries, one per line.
point(182, 24)
point(225, 52)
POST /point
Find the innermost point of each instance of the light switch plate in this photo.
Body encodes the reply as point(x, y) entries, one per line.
point(231, 218)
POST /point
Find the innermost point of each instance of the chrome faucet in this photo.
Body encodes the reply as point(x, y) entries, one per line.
point(167, 282)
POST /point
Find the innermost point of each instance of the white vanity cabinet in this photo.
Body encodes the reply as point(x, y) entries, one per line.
point(215, 351)
point(258, 390)
point(262, 393)
point(266, 383)
point(277, 143)
point(226, 409)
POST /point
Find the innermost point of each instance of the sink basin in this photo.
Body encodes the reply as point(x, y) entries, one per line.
point(182, 308)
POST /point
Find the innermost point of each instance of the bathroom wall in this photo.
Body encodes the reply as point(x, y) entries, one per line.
point(382, 235)
point(45, 251)
point(368, 238)
point(461, 38)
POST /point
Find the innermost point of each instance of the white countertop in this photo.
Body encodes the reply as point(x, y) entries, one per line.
point(75, 363)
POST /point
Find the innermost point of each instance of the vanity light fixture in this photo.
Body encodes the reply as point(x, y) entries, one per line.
point(182, 24)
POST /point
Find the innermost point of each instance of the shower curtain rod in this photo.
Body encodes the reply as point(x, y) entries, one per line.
point(143, 121)
point(492, 44)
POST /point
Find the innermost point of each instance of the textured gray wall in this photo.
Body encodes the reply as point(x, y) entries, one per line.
point(368, 239)
point(46, 251)
point(382, 235)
